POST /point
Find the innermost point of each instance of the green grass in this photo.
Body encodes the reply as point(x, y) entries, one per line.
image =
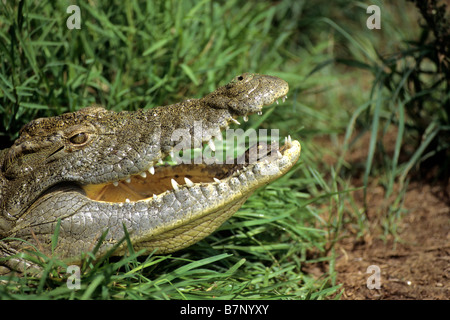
point(135, 54)
point(257, 255)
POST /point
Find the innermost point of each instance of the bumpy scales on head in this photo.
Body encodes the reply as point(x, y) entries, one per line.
point(96, 170)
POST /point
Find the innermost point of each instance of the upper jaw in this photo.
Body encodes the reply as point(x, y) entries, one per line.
point(261, 90)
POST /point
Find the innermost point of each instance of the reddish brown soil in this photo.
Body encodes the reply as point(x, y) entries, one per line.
point(417, 266)
point(414, 261)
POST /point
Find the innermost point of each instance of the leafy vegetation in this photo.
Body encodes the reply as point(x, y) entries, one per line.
point(343, 79)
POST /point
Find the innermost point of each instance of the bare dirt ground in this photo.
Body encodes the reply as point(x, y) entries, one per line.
point(417, 267)
point(414, 264)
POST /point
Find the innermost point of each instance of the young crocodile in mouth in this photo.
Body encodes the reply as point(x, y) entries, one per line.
point(96, 169)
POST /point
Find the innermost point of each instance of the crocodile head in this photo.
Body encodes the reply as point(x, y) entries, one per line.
point(95, 170)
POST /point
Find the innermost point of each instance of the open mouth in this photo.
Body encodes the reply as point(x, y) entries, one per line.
point(160, 179)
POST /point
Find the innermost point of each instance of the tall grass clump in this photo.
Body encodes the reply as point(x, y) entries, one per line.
point(411, 93)
point(407, 110)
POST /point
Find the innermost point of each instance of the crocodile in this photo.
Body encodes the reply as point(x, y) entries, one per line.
point(96, 170)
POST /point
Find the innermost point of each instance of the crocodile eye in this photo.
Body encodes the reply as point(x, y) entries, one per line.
point(79, 138)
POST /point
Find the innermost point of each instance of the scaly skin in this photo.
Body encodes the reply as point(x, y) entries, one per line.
point(96, 169)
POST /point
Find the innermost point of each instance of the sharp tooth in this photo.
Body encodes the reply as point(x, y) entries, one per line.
point(284, 98)
point(279, 154)
point(128, 180)
point(259, 113)
point(155, 197)
point(245, 118)
point(143, 174)
point(171, 154)
point(211, 145)
point(127, 200)
point(189, 183)
point(115, 183)
point(277, 102)
point(174, 184)
point(216, 180)
point(288, 141)
point(160, 161)
point(151, 170)
point(235, 121)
